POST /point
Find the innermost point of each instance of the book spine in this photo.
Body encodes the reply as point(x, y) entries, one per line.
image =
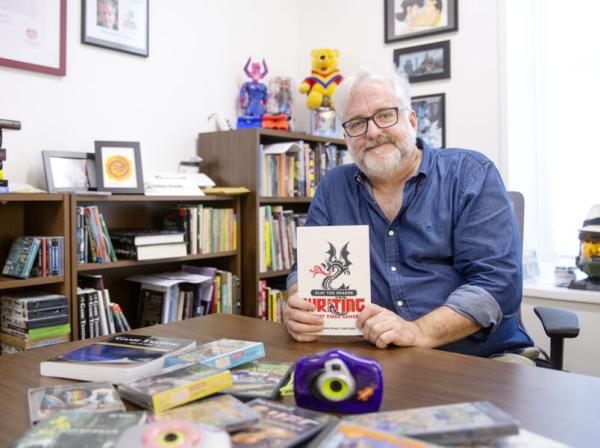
point(82, 316)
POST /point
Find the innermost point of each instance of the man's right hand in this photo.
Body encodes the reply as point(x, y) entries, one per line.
point(298, 317)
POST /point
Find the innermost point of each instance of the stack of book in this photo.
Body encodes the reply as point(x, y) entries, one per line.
point(277, 232)
point(270, 302)
point(92, 241)
point(148, 244)
point(36, 256)
point(31, 320)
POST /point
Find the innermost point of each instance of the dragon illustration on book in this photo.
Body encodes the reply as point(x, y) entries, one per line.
point(333, 267)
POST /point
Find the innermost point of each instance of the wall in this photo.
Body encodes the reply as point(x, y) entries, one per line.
point(197, 53)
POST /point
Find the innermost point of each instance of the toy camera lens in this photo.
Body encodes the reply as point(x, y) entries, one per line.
point(335, 389)
point(336, 386)
point(170, 438)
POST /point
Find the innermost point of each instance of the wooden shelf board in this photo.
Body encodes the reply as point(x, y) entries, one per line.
point(263, 275)
point(143, 198)
point(31, 197)
point(11, 283)
point(129, 263)
point(284, 200)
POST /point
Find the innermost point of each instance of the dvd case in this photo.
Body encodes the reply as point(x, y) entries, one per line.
point(221, 354)
point(259, 379)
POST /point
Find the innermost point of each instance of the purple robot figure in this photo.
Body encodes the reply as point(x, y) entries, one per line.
point(253, 94)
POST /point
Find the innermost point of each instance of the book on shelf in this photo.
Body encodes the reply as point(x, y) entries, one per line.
point(458, 423)
point(277, 236)
point(221, 354)
point(21, 256)
point(259, 379)
point(97, 397)
point(223, 411)
point(281, 425)
point(204, 290)
point(174, 386)
point(93, 241)
point(37, 333)
point(271, 301)
point(142, 237)
point(118, 359)
point(151, 252)
point(94, 283)
point(50, 258)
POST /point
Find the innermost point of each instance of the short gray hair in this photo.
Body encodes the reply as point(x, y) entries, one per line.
point(390, 75)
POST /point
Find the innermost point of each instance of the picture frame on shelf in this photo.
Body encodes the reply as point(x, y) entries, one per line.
point(431, 118)
point(119, 167)
point(324, 122)
point(409, 19)
point(69, 172)
point(424, 62)
point(35, 36)
point(121, 25)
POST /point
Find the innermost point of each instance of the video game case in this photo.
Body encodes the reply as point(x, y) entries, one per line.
point(221, 354)
point(37, 333)
point(32, 324)
point(34, 300)
point(259, 379)
point(27, 344)
point(35, 313)
point(97, 397)
point(21, 256)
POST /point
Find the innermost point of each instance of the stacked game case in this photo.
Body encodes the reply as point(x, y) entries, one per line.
point(95, 397)
point(175, 386)
point(259, 379)
point(221, 354)
point(31, 320)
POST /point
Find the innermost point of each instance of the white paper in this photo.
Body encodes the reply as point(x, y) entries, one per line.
point(280, 148)
point(186, 277)
point(154, 280)
point(334, 273)
point(182, 184)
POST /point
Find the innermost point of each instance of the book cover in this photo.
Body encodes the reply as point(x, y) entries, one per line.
point(221, 354)
point(175, 386)
point(80, 429)
point(33, 300)
point(117, 359)
point(259, 379)
point(223, 411)
point(280, 425)
point(142, 237)
point(334, 274)
point(95, 397)
point(21, 257)
point(444, 424)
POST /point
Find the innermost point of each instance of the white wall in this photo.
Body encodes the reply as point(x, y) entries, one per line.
point(197, 53)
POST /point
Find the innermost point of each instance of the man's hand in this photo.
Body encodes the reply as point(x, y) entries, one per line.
point(298, 318)
point(382, 327)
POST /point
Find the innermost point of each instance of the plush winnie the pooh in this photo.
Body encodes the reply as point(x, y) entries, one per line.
point(324, 78)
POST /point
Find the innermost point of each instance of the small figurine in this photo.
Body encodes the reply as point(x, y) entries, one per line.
point(324, 78)
point(279, 105)
point(588, 259)
point(253, 95)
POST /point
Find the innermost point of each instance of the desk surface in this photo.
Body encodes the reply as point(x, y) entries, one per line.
point(563, 406)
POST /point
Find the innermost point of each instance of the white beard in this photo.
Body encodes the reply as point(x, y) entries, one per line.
point(394, 160)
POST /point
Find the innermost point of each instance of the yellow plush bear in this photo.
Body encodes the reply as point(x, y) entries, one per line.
point(324, 78)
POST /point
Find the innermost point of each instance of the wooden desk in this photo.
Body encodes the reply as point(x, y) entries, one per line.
point(563, 406)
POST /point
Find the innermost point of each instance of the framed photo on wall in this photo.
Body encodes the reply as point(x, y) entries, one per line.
point(121, 25)
point(119, 167)
point(69, 172)
point(407, 19)
point(431, 118)
point(424, 62)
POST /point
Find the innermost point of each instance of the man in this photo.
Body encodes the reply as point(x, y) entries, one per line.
point(444, 245)
point(107, 14)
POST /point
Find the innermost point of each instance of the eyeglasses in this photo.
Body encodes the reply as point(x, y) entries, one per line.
point(384, 118)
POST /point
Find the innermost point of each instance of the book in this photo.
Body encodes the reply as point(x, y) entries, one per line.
point(118, 359)
point(443, 424)
point(280, 426)
point(80, 429)
point(151, 252)
point(345, 434)
point(21, 256)
point(221, 354)
point(222, 411)
point(175, 386)
point(96, 397)
point(32, 300)
point(145, 237)
point(334, 274)
point(259, 379)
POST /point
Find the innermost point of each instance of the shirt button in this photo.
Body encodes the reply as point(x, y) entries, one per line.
point(391, 233)
point(393, 268)
point(399, 303)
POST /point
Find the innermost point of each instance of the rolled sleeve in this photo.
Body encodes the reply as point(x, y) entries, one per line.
point(477, 304)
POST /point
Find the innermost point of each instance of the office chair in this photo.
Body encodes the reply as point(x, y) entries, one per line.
point(558, 323)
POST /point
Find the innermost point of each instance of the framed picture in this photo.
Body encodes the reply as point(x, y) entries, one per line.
point(121, 25)
point(69, 172)
point(407, 19)
point(119, 167)
point(324, 122)
point(424, 62)
point(431, 118)
point(33, 35)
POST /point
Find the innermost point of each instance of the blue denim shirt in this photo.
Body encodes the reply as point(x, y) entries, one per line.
point(454, 242)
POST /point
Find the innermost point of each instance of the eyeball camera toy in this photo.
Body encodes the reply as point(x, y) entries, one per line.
point(338, 381)
point(173, 434)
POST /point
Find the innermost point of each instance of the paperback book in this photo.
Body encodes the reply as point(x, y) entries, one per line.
point(444, 424)
point(21, 256)
point(223, 411)
point(118, 359)
point(280, 426)
point(259, 379)
point(334, 274)
point(221, 354)
point(93, 397)
point(175, 386)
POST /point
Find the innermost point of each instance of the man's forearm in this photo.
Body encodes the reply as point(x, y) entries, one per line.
point(442, 326)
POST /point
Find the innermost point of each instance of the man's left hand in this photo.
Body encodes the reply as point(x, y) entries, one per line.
point(382, 327)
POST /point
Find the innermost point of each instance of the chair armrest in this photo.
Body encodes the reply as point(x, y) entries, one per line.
point(558, 322)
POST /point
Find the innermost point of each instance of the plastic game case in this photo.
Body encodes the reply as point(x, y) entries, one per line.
point(259, 379)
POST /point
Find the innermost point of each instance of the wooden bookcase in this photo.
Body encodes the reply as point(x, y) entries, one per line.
point(231, 158)
point(142, 212)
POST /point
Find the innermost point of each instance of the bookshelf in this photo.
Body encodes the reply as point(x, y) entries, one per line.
point(142, 212)
point(231, 158)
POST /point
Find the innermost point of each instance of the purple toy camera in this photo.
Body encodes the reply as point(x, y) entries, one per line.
point(338, 381)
